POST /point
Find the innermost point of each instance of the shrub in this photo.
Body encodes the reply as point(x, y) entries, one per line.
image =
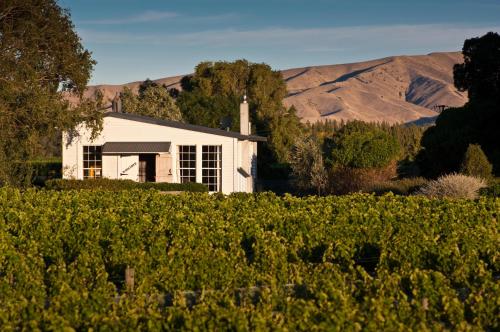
point(344, 180)
point(44, 170)
point(476, 163)
point(116, 185)
point(362, 145)
point(453, 186)
point(403, 187)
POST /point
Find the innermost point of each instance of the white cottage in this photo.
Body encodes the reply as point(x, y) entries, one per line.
point(146, 149)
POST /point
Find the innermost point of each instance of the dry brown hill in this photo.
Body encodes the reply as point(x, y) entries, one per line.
point(394, 89)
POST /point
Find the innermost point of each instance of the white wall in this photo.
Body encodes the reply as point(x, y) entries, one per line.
point(122, 130)
point(110, 165)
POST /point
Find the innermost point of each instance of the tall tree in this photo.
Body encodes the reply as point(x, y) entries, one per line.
point(479, 75)
point(41, 58)
point(445, 144)
point(223, 84)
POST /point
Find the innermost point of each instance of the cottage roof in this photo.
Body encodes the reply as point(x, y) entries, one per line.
point(185, 126)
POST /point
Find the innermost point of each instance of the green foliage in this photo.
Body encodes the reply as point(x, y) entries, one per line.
point(493, 190)
point(152, 100)
point(246, 262)
point(117, 185)
point(215, 90)
point(479, 75)
point(210, 111)
point(46, 169)
point(362, 145)
point(445, 143)
point(408, 138)
point(475, 163)
point(306, 161)
point(41, 60)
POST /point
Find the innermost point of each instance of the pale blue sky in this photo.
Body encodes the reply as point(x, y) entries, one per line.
point(134, 40)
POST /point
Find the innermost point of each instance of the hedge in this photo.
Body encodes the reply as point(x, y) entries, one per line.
point(116, 185)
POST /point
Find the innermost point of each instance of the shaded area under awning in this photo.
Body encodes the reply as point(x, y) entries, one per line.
point(135, 147)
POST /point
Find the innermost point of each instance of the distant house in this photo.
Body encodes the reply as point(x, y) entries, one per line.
point(146, 149)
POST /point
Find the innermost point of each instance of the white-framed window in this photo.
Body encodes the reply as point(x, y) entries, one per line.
point(187, 163)
point(211, 172)
point(92, 161)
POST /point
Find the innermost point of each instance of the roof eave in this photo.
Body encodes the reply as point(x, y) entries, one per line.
point(185, 126)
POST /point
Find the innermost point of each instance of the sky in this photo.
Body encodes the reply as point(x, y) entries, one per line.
point(132, 40)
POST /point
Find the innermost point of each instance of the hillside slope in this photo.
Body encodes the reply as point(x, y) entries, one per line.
point(394, 89)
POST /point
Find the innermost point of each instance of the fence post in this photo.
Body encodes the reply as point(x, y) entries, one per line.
point(129, 278)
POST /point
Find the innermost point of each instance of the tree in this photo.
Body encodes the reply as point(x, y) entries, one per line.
point(215, 90)
point(360, 154)
point(153, 100)
point(41, 59)
point(306, 161)
point(475, 163)
point(479, 74)
point(362, 145)
point(209, 111)
point(444, 145)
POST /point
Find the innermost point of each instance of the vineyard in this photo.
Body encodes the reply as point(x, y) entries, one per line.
point(246, 262)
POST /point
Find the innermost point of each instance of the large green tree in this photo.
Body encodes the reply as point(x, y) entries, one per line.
point(214, 91)
point(445, 144)
point(41, 58)
point(479, 74)
point(152, 100)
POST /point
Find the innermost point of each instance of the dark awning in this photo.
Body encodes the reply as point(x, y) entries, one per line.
point(135, 147)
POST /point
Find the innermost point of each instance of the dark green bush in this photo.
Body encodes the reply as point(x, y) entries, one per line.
point(116, 185)
point(476, 163)
point(45, 169)
point(361, 145)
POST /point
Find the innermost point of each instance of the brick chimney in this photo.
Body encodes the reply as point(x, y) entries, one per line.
point(244, 117)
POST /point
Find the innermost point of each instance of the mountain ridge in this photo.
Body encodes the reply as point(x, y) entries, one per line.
point(396, 89)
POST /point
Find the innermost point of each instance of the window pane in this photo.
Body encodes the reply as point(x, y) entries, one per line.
point(187, 163)
point(92, 162)
point(211, 166)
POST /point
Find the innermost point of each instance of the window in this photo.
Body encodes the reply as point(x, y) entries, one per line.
point(92, 162)
point(187, 163)
point(212, 166)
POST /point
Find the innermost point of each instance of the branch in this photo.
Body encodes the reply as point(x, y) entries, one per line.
point(6, 12)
